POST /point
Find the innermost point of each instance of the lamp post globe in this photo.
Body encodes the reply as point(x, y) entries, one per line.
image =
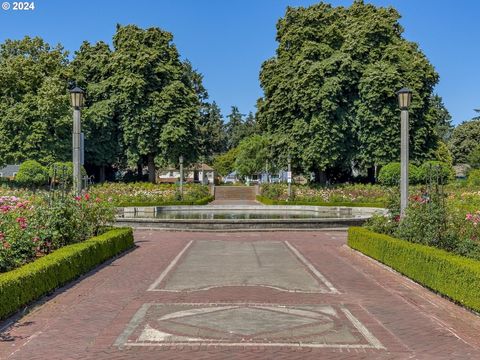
point(404, 100)
point(77, 98)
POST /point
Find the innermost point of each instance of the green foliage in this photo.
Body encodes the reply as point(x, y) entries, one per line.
point(29, 282)
point(442, 153)
point(389, 174)
point(158, 107)
point(32, 173)
point(32, 228)
point(474, 178)
point(212, 135)
point(329, 93)
point(451, 275)
point(35, 114)
point(465, 139)
point(92, 71)
point(474, 158)
point(235, 129)
point(62, 172)
point(436, 172)
point(439, 115)
point(425, 223)
point(252, 154)
point(224, 164)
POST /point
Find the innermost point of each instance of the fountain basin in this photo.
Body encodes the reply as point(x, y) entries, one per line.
point(244, 217)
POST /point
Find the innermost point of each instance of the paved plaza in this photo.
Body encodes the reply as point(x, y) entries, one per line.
point(251, 295)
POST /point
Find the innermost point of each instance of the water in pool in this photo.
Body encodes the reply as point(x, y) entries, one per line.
point(244, 214)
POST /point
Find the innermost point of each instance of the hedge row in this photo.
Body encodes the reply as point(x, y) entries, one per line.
point(203, 201)
point(268, 201)
point(454, 276)
point(31, 281)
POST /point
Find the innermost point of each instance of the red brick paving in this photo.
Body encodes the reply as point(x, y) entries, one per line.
point(83, 321)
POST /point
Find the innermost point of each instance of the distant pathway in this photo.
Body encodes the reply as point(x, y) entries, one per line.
point(268, 295)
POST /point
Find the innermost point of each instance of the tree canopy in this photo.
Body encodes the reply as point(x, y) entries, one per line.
point(35, 115)
point(465, 139)
point(143, 104)
point(158, 106)
point(329, 92)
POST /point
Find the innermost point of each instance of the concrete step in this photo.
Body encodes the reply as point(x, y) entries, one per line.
point(235, 193)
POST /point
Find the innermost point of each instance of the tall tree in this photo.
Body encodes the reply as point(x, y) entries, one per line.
point(252, 154)
point(212, 135)
point(235, 128)
point(92, 70)
point(329, 93)
point(250, 125)
point(465, 139)
point(158, 107)
point(35, 113)
point(442, 118)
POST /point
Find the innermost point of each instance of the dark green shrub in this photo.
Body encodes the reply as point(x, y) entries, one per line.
point(451, 275)
point(390, 174)
point(32, 173)
point(436, 172)
point(29, 282)
point(474, 178)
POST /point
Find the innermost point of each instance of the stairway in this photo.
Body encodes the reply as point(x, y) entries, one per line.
point(227, 193)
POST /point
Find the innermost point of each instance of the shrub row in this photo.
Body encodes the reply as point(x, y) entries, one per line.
point(266, 201)
point(31, 281)
point(454, 276)
point(203, 201)
point(390, 173)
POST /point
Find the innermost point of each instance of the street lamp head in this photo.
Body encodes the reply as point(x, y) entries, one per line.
point(404, 98)
point(181, 159)
point(77, 97)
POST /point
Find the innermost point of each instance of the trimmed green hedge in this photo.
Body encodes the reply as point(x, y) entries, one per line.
point(31, 281)
point(448, 274)
point(267, 201)
point(203, 201)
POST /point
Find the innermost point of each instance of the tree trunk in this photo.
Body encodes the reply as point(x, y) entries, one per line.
point(102, 173)
point(151, 168)
point(140, 170)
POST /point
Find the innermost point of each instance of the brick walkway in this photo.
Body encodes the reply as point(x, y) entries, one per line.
point(357, 309)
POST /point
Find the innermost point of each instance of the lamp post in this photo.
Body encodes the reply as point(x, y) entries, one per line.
point(289, 176)
point(180, 160)
point(404, 100)
point(77, 96)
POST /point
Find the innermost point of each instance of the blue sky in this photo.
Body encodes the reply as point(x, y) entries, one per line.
point(227, 40)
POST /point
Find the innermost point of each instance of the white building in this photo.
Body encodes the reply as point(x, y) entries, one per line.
point(196, 173)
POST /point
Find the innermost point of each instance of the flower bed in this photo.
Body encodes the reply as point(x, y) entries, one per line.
point(31, 281)
point(35, 226)
point(305, 194)
point(148, 194)
point(434, 219)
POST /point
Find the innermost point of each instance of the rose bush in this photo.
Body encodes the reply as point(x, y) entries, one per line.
point(435, 219)
point(344, 193)
point(122, 194)
point(33, 227)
